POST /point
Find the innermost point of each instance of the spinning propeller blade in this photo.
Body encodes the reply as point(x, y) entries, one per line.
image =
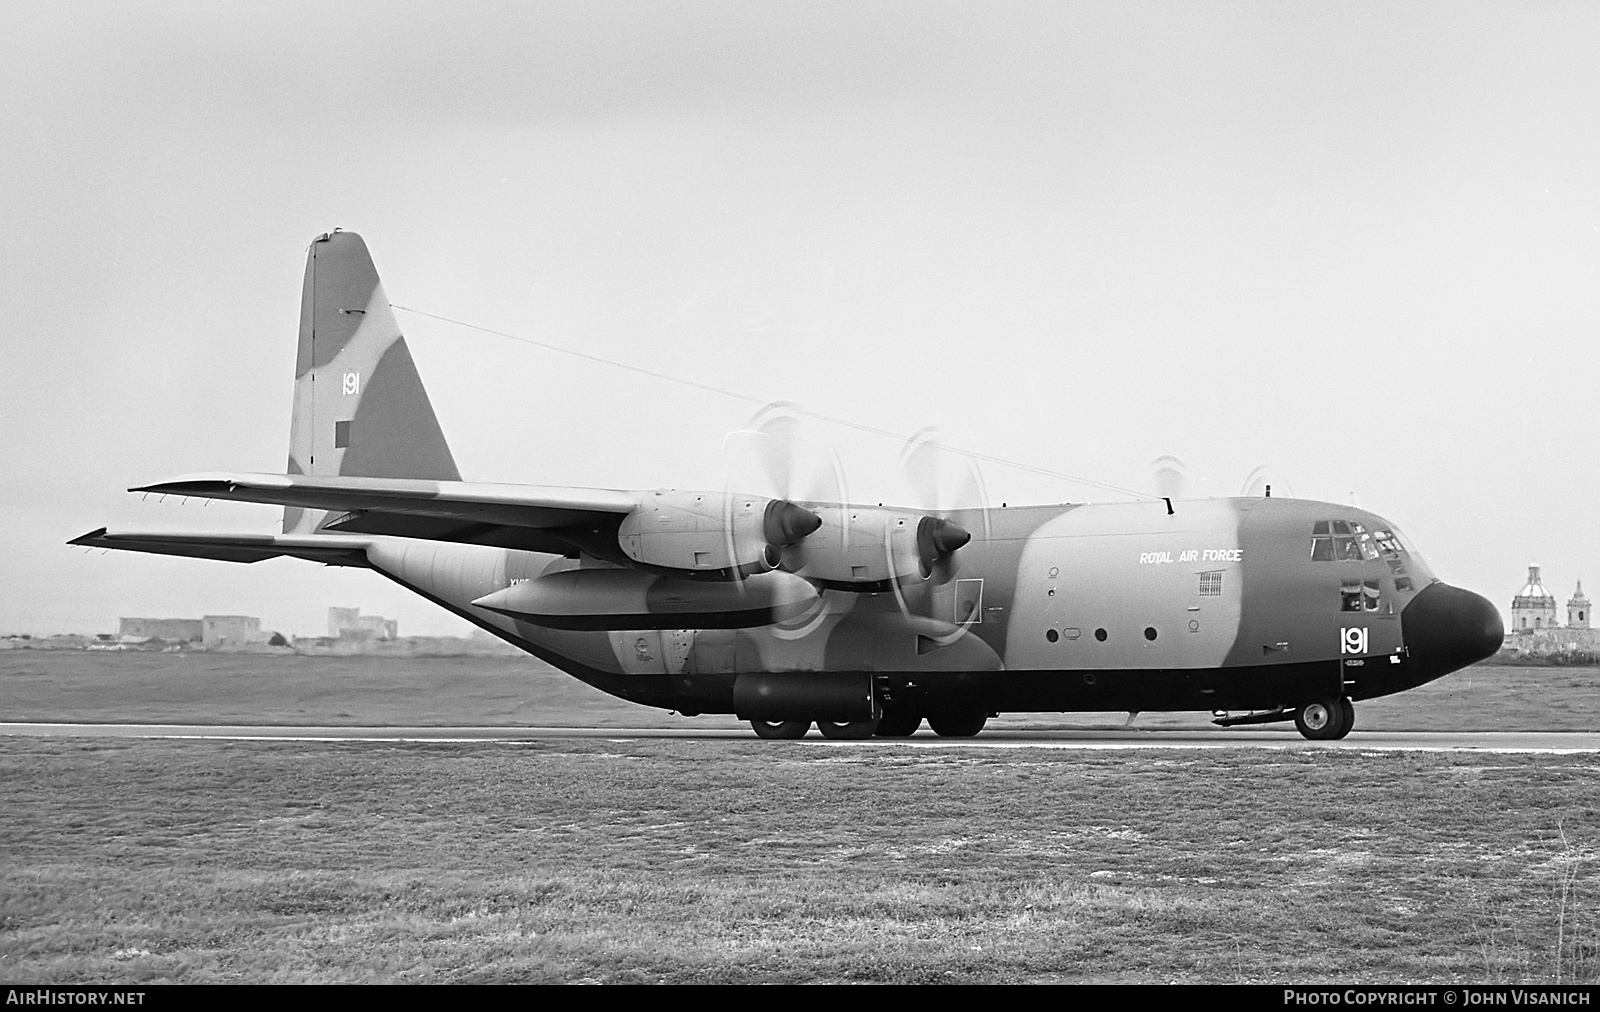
point(1169, 476)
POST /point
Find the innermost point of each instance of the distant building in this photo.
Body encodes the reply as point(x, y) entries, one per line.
point(1533, 607)
point(180, 630)
point(349, 623)
point(1578, 610)
point(231, 629)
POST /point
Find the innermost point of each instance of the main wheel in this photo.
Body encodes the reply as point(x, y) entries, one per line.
point(787, 729)
point(957, 725)
point(854, 730)
point(899, 725)
point(1325, 719)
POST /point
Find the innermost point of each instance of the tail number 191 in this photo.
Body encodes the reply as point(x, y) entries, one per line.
point(1353, 641)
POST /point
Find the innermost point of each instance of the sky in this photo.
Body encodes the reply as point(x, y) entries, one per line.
point(1353, 245)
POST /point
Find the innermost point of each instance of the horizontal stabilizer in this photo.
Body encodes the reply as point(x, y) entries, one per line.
point(333, 551)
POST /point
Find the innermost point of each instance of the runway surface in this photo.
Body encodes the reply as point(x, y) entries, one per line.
point(1426, 741)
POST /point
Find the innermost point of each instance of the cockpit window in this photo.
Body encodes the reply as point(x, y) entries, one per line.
point(1393, 552)
point(1344, 541)
point(1389, 542)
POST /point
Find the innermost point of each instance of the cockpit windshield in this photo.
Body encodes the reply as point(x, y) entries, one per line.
point(1345, 541)
point(1350, 541)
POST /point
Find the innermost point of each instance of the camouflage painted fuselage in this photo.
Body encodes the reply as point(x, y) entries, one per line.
point(1220, 605)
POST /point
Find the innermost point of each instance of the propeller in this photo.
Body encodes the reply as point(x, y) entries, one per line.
point(1259, 483)
point(943, 481)
point(770, 455)
point(777, 455)
point(1169, 477)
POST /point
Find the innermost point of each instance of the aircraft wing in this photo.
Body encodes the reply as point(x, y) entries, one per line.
point(333, 551)
point(527, 517)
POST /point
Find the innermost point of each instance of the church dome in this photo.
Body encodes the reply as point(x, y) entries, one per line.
point(1534, 608)
point(1533, 588)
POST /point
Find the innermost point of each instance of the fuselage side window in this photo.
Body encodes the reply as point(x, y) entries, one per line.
point(1350, 595)
point(1370, 595)
point(1360, 595)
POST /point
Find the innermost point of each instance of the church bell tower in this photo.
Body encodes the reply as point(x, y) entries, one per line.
point(1578, 611)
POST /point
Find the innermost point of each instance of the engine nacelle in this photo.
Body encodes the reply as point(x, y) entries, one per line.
point(720, 534)
point(864, 547)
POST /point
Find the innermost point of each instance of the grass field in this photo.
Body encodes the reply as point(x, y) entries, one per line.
point(718, 861)
point(249, 688)
point(733, 861)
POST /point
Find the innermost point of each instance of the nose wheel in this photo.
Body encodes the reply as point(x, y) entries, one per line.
point(1326, 719)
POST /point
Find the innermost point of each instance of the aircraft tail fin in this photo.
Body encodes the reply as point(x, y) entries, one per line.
point(360, 409)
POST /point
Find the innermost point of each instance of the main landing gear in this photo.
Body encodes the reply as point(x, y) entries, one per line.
point(892, 725)
point(780, 728)
point(899, 725)
point(855, 730)
point(957, 725)
point(1327, 719)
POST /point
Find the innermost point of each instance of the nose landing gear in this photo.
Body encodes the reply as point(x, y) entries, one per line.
point(1327, 719)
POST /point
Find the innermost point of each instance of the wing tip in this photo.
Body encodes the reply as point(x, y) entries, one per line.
point(89, 539)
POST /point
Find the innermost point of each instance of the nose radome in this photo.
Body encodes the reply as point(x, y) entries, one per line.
point(1446, 628)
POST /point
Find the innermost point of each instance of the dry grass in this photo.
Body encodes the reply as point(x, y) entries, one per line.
point(724, 861)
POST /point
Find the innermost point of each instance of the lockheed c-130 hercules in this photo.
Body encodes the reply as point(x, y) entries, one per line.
point(861, 619)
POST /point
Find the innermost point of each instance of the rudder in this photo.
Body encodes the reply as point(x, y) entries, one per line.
point(360, 409)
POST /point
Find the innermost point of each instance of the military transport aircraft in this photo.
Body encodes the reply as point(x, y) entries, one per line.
point(861, 619)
